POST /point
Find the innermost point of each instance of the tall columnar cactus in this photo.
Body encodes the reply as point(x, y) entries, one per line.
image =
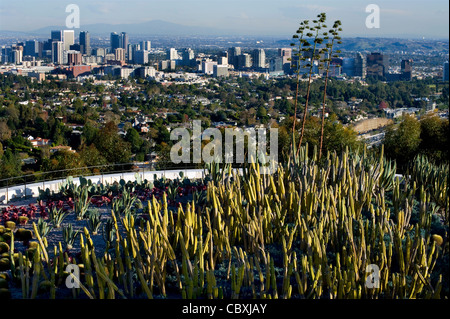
point(311, 230)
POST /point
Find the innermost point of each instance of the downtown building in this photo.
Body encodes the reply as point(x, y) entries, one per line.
point(233, 54)
point(118, 41)
point(377, 65)
point(58, 52)
point(445, 72)
point(259, 59)
point(140, 56)
point(68, 39)
point(85, 43)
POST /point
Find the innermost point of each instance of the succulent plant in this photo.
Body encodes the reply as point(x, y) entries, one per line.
point(69, 236)
point(94, 221)
point(23, 234)
point(57, 216)
point(4, 247)
point(43, 228)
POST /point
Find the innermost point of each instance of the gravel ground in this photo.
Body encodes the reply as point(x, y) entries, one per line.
point(55, 235)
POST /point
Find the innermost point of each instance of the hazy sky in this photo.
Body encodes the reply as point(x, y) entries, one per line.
point(407, 18)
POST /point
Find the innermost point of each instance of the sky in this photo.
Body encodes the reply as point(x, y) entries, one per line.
point(398, 18)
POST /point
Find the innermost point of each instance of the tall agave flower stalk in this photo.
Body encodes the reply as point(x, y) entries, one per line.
point(318, 40)
point(329, 50)
point(298, 51)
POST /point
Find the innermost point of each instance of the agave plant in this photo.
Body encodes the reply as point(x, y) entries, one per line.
point(81, 204)
point(109, 232)
point(94, 221)
point(57, 216)
point(69, 236)
point(43, 228)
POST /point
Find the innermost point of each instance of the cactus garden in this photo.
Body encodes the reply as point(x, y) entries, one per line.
point(311, 230)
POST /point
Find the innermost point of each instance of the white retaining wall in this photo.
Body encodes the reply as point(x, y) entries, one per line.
point(16, 192)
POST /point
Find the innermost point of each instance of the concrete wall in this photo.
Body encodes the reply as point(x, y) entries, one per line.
point(32, 190)
point(371, 124)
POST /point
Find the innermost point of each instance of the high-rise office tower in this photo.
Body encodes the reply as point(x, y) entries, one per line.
point(259, 59)
point(187, 56)
point(146, 45)
point(222, 60)
point(244, 61)
point(17, 54)
point(132, 49)
point(233, 54)
point(124, 41)
point(276, 64)
point(360, 66)
point(58, 52)
point(172, 54)
point(56, 35)
point(348, 66)
point(140, 57)
point(286, 54)
point(68, 38)
point(406, 69)
point(115, 41)
point(85, 42)
point(31, 48)
point(445, 72)
point(119, 41)
point(119, 54)
point(377, 64)
point(6, 53)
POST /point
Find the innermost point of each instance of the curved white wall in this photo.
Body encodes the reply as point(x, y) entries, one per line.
point(32, 190)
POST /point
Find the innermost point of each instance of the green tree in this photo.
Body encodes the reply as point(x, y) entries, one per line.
point(89, 133)
point(10, 165)
point(111, 145)
point(402, 142)
point(434, 137)
point(134, 139)
point(5, 132)
point(91, 156)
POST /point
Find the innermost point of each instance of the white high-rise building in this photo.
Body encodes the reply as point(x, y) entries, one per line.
point(58, 52)
point(208, 67)
point(223, 60)
point(68, 38)
point(146, 45)
point(259, 59)
point(172, 54)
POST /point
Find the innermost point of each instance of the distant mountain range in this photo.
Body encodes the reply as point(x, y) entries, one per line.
point(161, 28)
point(153, 28)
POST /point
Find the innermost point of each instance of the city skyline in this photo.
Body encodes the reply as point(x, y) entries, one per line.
point(249, 17)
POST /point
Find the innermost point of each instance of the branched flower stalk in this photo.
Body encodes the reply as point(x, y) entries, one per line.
point(301, 42)
point(318, 40)
point(329, 49)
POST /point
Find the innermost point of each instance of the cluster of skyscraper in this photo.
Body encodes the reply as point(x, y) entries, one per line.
point(62, 49)
point(373, 65)
point(241, 61)
point(58, 48)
